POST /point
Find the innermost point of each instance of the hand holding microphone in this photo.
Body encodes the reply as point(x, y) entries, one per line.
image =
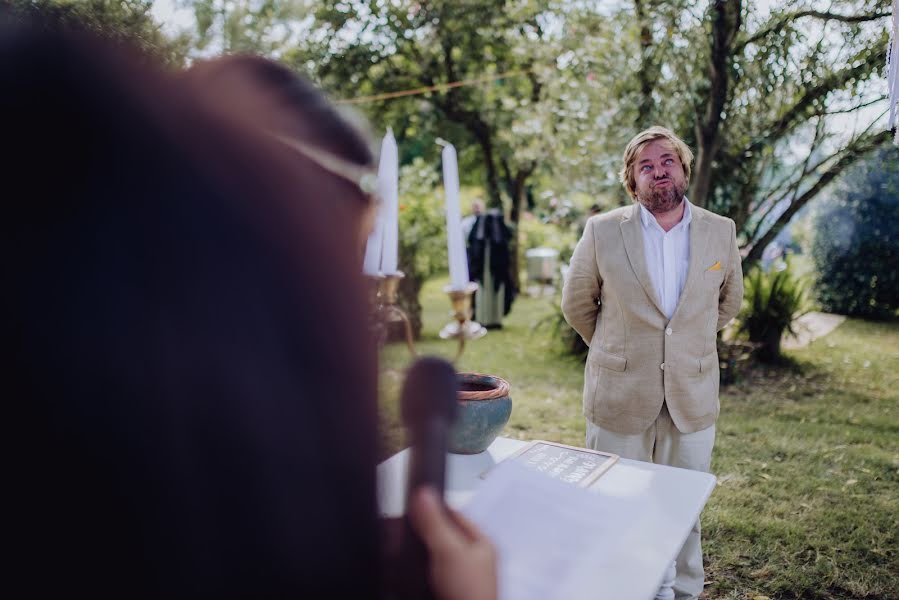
point(448, 557)
point(429, 407)
point(462, 559)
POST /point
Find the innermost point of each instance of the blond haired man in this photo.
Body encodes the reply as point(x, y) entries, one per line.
point(648, 288)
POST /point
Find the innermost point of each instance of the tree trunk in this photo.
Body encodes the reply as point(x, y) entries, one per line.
point(408, 300)
point(483, 134)
point(519, 197)
point(726, 22)
point(647, 74)
point(494, 197)
point(769, 347)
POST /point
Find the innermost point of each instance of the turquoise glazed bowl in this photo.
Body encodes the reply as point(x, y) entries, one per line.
point(484, 409)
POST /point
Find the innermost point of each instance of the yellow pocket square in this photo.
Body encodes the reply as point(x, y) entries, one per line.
point(715, 267)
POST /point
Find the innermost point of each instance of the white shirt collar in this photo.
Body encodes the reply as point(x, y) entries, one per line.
point(649, 220)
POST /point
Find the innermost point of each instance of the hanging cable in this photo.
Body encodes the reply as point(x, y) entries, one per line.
point(440, 87)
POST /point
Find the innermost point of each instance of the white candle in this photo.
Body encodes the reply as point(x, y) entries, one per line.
point(388, 183)
point(455, 241)
point(371, 265)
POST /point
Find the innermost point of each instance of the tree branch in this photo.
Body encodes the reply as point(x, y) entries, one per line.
point(726, 22)
point(785, 20)
point(803, 169)
point(797, 112)
point(857, 149)
point(645, 74)
point(856, 107)
point(507, 170)
point(793, 190)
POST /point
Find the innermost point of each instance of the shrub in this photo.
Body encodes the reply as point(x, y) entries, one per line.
point(534, 233)
point(569, 341)
point(856, 241)
point(772, 301)
point(422, 239)
point(560, 235)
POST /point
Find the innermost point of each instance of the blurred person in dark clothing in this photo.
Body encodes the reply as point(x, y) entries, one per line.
point(488, 264)
point(192, 392)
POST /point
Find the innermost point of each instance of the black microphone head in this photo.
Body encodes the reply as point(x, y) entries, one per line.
point(430, 391)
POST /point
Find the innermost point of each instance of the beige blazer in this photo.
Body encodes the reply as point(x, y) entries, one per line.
point(638, 358)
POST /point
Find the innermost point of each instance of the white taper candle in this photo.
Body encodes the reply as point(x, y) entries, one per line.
point(455, 242)
point(388, 179)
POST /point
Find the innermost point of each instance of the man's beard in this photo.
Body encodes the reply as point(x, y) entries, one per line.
point(661, 200)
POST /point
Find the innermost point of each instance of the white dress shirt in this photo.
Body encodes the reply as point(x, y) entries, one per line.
point(667, 256)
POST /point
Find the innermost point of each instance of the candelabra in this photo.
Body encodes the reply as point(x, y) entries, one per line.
point(383, 298)
point(385, 308)
point(462, 328)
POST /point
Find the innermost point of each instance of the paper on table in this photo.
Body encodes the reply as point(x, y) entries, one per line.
point(551, 537)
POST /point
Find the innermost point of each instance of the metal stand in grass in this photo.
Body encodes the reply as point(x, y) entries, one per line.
point(383, 299)
point(462, 327)
point(483, 400)
point(386, 310)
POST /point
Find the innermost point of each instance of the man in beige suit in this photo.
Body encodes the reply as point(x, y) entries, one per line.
point(649, 287)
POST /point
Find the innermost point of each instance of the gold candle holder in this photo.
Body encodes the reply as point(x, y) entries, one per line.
point(462, 328)
point(387, 309)
point(374, 291)
point(378, 328)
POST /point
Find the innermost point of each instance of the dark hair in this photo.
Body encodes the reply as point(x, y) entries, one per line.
point(191, 385)
point(288, 103)
point(267, 98)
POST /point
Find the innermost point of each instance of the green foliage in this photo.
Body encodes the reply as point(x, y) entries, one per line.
point(559, 229)
point(760, 90)
point(421, 221)
point(783, 137)
point(117, 20)
point(567, 340)
point(856, 242)
point(422, 245)
point(254, 26)
point(356, 48)
point(772, 301)
point(534, 233)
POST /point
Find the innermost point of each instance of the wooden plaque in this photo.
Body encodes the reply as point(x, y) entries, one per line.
point(579, 466)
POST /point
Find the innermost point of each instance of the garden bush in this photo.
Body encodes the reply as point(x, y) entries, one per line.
point(567, 339)
point(422, 244)
point(772, 301)
point(535, 233)
point(856, 241)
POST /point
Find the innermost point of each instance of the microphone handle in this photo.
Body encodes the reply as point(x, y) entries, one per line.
point(427, 465)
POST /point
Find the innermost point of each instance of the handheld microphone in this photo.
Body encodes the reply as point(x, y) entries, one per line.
point(429, 407)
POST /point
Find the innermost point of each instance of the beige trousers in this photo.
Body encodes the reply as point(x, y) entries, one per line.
point(663, 444)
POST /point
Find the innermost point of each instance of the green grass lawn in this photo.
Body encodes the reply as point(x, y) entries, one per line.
point(807, 455)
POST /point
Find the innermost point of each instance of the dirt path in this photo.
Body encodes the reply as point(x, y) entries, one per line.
point(810, 327)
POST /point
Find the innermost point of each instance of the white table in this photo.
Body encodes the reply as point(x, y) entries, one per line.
point(662, 505)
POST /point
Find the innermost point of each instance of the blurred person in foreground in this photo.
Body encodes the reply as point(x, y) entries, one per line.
point(649, 287)
point(192, 394)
